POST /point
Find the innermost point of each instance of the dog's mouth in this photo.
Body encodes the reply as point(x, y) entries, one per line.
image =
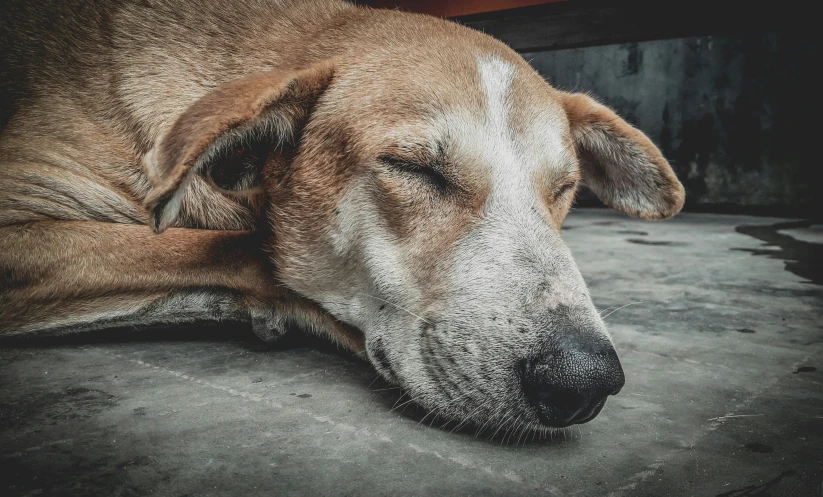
point(548, 414)
point(458, 404)
point(566, 386)
point(486, 417)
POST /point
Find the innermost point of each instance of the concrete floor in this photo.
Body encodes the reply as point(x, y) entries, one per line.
point(722, 394)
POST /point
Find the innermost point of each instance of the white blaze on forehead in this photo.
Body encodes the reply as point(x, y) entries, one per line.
point(495, 79)
point(514, 159)
point(499, 149)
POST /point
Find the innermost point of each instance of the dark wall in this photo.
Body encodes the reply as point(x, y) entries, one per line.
point(734, 115)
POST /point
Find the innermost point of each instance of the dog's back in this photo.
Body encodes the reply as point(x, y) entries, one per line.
point(88, 88)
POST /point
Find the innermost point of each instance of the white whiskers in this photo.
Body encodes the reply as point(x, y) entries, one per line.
point(621, 307)
point(396, 306)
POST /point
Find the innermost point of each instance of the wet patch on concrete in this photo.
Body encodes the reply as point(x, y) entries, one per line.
point(75, 403)
point(759, 448)
point(641, 241)
point(758, 490)
point(80, 403)
point(804, 369)
point(801, 258)
point(812, 234)
point(95, 473)
point(772, 291)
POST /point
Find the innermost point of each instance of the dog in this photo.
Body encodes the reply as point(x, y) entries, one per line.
point(393, 181)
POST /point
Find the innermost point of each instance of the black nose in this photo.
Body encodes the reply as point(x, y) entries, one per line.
point(569, 382)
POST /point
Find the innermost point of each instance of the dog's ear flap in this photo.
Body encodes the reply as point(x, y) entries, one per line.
point(619, 163)
point(228, 135)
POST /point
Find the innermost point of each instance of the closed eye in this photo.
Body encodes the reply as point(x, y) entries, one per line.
point(425, 172)
point(565, 190)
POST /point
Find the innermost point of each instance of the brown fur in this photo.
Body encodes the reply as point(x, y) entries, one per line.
point(58, 272)
point(608, 148)
point(117, 103)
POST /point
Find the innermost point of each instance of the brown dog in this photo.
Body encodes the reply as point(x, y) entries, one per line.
point(394, 181)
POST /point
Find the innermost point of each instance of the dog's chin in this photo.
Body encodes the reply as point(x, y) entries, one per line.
point(443, 408)
point(546, 419)
point(482, 416)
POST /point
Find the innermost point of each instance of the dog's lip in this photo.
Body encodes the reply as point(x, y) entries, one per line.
point(592, 412)
point(583, 416)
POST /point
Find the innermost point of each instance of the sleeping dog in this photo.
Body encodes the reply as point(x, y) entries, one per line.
point(393, 181)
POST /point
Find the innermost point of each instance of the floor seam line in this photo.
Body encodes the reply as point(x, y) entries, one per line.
point(507, 475)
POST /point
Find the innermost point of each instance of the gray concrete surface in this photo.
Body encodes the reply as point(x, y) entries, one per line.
point(722, 348)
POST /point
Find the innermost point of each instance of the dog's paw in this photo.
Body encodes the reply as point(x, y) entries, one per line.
point(268, 328)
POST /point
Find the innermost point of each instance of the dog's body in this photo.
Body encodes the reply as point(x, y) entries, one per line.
point(103, 81)
point(394, 181)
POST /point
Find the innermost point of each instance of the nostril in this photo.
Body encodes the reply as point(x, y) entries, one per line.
point(559, 399)
point(556, 406)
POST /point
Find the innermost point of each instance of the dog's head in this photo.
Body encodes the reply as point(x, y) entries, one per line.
point(416, 190)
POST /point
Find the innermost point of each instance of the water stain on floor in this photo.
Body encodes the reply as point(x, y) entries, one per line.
point(74, 403)
point(641, 241)
point(758, 490)
point(759, 448)
point(804, 259)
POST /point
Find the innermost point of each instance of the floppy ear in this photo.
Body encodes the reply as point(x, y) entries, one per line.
point(227, 136)
point(619, 163)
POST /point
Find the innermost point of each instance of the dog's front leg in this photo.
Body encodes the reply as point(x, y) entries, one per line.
point(67, 276)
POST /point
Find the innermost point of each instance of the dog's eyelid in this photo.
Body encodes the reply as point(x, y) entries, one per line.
point(416, 153)
point(565, 187)
point(432, 170)
point(414, 163)
point(397, 160)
